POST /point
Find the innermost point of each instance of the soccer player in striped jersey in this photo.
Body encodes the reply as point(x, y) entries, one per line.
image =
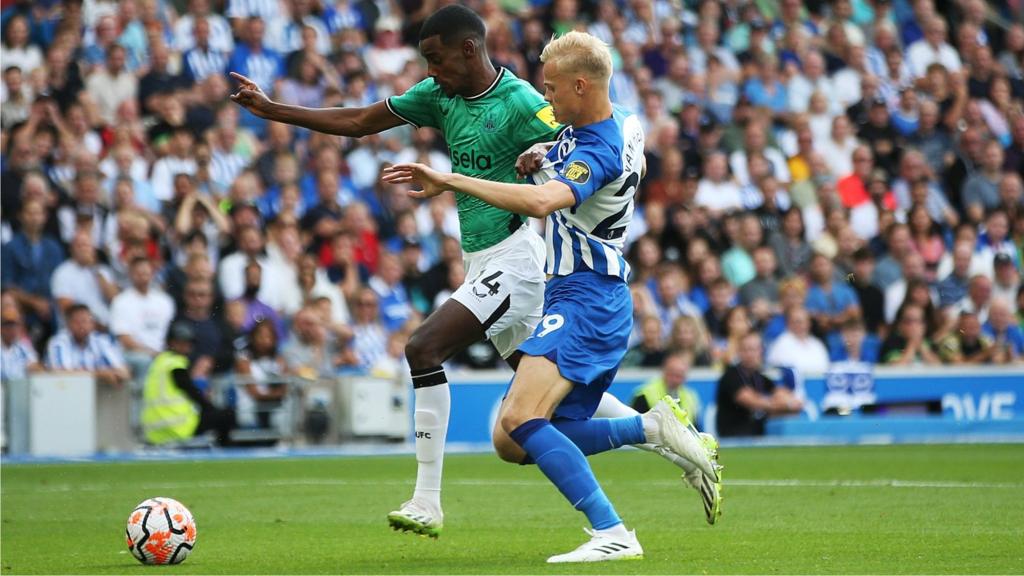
point(585, 192)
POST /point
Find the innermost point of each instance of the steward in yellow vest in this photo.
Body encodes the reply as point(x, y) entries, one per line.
point(672, 382)
point(173, 408)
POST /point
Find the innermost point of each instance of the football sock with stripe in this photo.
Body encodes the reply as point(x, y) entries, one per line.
point(433, 403)
point(567, 468)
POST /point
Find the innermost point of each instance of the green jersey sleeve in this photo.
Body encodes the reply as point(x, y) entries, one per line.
point(537, 123)
point(420, 105)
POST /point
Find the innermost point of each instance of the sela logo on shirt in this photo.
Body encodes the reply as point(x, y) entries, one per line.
point(470, 160)
point(577, 171)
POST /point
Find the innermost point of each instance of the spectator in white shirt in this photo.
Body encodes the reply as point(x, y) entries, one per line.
point(231, 276)
point(716, 191)
point(813, 79)
point(177, 161)
point(17, 356)
point(113, 84)
point(755, 140)
point(797, 348)
point(82, 280)
point(220, 31)
point(387, 56)
point(140, 315)
point(932, 48)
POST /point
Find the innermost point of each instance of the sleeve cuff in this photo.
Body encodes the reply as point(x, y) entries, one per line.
point(392, 109)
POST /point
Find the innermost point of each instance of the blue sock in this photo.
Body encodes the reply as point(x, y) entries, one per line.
point(567, 468)
point(598, 435)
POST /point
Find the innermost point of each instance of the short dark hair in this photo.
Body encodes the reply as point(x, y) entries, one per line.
point(75, 309)
point(453, 23)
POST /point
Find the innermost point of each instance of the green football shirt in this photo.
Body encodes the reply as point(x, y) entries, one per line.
point(485, 135)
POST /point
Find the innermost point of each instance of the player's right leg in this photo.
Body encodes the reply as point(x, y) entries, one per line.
point(710, 491)
point(500, 300)
point(449, 330)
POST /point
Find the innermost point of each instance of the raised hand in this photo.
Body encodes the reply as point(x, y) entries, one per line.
point(432, 181)
point(250, 96)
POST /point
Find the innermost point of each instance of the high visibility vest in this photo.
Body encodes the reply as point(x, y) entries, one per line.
point(168, 414)
point(654, 390)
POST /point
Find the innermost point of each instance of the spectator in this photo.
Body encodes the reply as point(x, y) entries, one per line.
point(908, 342)
point(953, 287)
point(1006, 282)
point(395, 307)
point(720, 300)
point(966, 344)
point(232, 277)
point(716, 191)
point(889, 268)
point(212, 350)
point(177, 161)
point(671, 382)
point(173, 407)
point(140, 315)
point(208, 53)
point(977, 299)
point(912, 270)
point(796, 348)
point(761, 293)
point(746, 397)
point(931, 49)
point(19, 358)
point(260, 390)
point(1006, 336)
point(81, 279)
point(80, 347)
point(831, 303)
point(854, 345)
point(981, 190)
point(387, 57)
point(311, 352)
point(689, 337)
point(30, 259)
point(736, 325)
point(113, 84)
point(369, 342)
point(738, 263)
point(650, 351)
point(790, 244)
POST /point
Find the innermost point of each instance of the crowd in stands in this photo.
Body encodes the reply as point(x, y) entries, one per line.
point(842, 176)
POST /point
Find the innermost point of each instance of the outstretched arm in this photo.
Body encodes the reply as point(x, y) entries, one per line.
point(536, 201)
point(352, 122)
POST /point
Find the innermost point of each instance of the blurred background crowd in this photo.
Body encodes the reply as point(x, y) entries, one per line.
point(842, 176)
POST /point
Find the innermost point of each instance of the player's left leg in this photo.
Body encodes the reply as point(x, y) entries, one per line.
point(710, 490)
point(537, 389)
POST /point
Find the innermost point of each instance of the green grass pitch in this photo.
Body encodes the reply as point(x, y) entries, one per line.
point(865, 509)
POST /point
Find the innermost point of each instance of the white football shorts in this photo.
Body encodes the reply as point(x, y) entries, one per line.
point(504, 288)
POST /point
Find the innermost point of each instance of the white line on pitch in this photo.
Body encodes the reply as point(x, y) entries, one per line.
point(298, 482)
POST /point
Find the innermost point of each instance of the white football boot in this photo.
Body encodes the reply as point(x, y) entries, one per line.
point(667, 424)
point(603, 547)
point(418, 518)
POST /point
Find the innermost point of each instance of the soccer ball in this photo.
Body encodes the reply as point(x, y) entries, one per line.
point(160, 531)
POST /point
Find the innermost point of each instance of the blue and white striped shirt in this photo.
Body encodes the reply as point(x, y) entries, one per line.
point(201, 64)
point(99, 351)
point(601, 163)
point(16, 358)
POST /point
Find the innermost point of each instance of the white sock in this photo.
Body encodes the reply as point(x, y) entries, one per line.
point(612, 407)
point(433, 404)
point(618, 531)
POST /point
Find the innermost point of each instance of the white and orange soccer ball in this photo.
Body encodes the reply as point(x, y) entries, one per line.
point(161, 531)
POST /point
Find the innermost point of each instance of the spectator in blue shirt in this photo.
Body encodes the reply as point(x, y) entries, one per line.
point(830, 303)
point(765, 90)
point(29, 260)
point(255, 61)
point(1005, 334)
point(395, 307)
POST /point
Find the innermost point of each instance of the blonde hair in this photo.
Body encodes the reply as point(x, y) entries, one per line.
point(580, 53)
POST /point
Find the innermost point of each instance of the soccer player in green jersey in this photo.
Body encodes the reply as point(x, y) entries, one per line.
point(488, 117)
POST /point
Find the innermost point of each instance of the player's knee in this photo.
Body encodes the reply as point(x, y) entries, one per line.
point(506, 448)
point(422, 352)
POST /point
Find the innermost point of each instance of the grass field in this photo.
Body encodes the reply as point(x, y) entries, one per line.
point(892, 509)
